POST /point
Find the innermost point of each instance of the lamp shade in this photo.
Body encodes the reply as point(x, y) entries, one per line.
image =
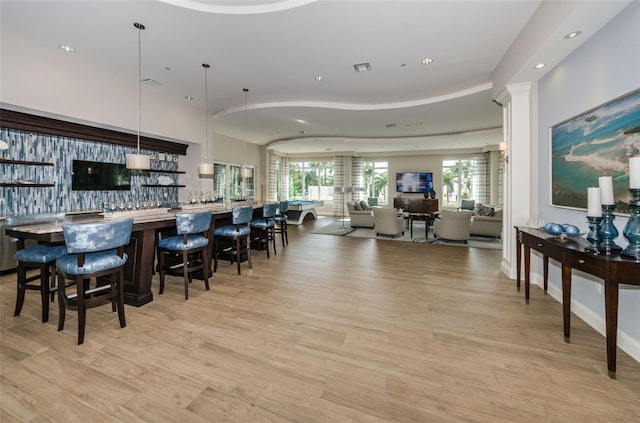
point(138, 161)
point(205, 168)
point(3, 145)
point(246, 172)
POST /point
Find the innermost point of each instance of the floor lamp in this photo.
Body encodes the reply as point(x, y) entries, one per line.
point(342, 190)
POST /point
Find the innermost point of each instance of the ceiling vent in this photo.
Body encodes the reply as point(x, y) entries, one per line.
point(151, 82)
point(362, 67)
point(390, 125)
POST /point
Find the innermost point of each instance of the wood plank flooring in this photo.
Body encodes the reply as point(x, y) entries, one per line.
point(331, 329)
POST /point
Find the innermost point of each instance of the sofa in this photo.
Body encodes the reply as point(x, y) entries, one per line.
point(487, 221)
point(360, 217)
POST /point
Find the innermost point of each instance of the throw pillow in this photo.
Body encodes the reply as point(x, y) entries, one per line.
point(485, 211)
point(357, 206)
point(364, 205)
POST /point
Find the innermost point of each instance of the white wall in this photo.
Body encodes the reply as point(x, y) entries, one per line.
point(603, 68)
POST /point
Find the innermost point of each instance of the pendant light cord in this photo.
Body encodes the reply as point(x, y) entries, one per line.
point(246, 90)
point(140, 28)
point(206, 109)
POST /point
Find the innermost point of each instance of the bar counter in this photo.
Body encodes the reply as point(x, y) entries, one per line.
point(141, 250)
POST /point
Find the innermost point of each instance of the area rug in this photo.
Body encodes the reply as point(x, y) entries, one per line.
point(337, 228)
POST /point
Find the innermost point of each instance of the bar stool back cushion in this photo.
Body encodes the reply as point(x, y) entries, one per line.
point(39, 256)
point(95, 250)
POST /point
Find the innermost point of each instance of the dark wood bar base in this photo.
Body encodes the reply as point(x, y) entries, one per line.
point(570, 253)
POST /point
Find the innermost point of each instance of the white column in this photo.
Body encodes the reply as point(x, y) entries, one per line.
point(519, 125)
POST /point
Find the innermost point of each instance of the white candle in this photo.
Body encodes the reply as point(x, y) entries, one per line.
point(594, 207)
point(634, 172)
point(606, 190)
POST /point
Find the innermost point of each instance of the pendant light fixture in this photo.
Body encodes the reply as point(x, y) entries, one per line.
point(206, 168)
point(245, 171)
point(138, 161)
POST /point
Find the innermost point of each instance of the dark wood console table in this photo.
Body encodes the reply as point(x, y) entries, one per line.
point(416, 205)
point(570, 253)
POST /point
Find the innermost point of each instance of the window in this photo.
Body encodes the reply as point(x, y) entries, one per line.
point(376, 177)
point(456, 181)
point(220, 181)
point(311, 181)
point(237, 188)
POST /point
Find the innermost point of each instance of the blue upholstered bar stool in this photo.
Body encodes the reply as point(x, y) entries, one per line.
point(96, 250)
point(263, 228)
point(231, 240)
point(191, 244)
point(281, 222)
point(42, 257)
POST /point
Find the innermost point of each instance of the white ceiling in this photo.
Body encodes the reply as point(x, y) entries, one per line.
point(277, 48)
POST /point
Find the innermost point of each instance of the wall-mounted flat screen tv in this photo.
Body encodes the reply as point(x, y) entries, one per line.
point(100, 176)
point(414, 182)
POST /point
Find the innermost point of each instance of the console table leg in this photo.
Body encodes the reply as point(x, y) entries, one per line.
point(546, 273)
point(566, 301)
point(527, 271)
point(518, 261)
point(611, 316)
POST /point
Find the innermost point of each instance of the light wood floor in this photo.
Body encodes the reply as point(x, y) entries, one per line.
point(332, 329)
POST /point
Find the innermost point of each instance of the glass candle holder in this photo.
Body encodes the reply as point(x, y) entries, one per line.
point(632, 229)
point(594, 236)
point(608, 231)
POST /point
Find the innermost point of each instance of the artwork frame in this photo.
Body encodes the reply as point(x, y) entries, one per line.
point(597, 142)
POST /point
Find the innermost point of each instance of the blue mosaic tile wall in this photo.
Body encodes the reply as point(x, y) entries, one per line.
point(61, 151)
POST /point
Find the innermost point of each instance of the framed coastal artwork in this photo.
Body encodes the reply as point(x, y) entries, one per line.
point(598, 142)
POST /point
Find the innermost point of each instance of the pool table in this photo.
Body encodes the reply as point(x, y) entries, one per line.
point(300, 209)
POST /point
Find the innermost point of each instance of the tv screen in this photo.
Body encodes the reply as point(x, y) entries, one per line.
point(100, 176)
point(414, 182)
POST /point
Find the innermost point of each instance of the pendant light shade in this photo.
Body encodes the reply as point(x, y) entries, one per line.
point(246, 171)
point(206, 168)
point(138, 161)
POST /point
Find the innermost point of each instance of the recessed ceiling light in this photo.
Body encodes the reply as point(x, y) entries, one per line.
point(188, 97)
point(427, 61)
point(362, 67)
point(540, 66)
point(68, 49)
point(319, 78)
point(573, 34)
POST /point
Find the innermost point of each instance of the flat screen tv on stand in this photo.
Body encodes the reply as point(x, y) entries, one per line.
point(414, 182)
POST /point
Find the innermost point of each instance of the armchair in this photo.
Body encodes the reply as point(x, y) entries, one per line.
point(453, 226)
point(387, 222)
